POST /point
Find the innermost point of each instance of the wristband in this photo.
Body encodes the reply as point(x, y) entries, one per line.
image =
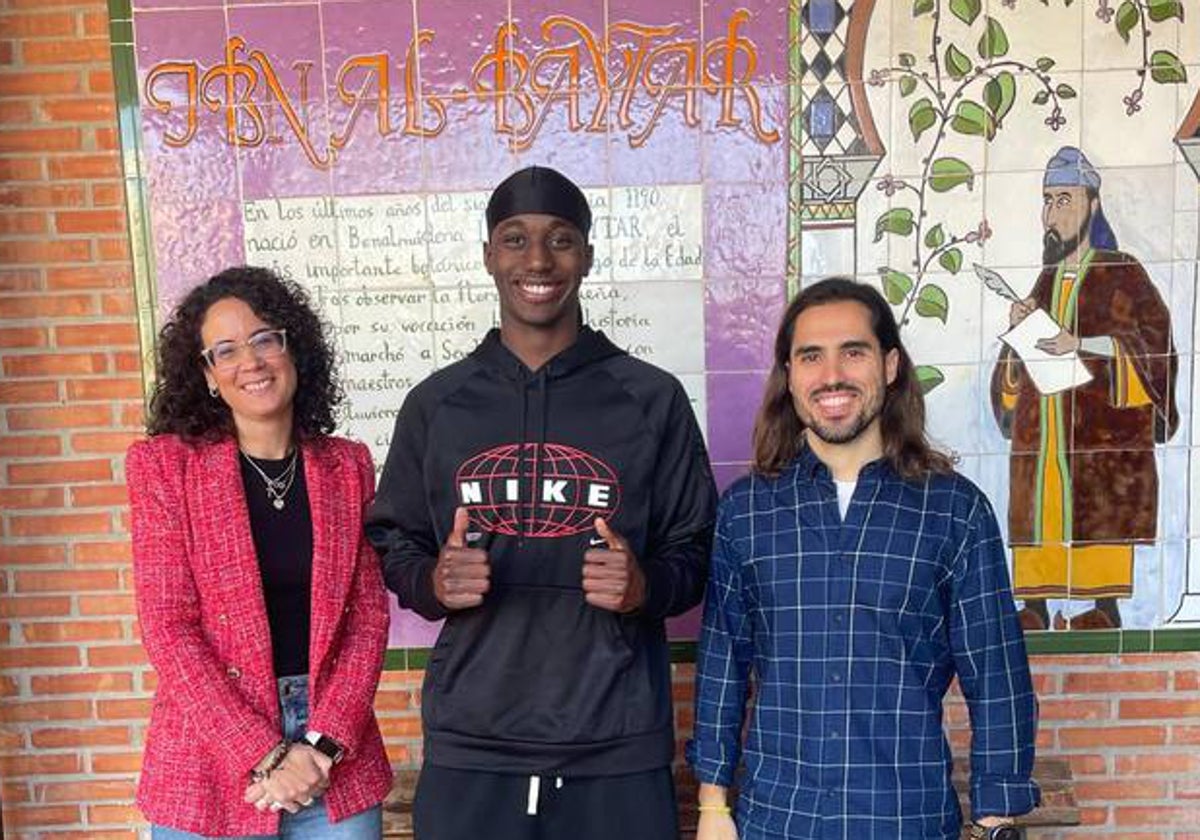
point(715, 809)
point(273, 759)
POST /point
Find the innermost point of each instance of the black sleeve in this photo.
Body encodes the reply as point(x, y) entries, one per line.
point(683, 510)
point(399, 523)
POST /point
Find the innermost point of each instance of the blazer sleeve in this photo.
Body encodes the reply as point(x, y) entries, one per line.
point(169, 610)
point(345, 705)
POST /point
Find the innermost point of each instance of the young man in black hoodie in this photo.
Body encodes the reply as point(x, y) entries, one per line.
point(550, 498)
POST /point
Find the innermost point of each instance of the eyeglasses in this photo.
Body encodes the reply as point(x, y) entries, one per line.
point(264, 344)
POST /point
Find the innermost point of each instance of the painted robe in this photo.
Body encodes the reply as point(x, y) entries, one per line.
point(1083, 485)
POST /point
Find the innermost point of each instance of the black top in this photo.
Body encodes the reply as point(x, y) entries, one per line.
point(536, 681)
point(284, 544)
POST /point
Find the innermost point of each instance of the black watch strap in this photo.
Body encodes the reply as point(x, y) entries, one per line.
point(325, 745)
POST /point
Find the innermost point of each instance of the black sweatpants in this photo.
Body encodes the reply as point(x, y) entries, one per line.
point(472, 805)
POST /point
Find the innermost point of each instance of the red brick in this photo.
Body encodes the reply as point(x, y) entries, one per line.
point(39, 657)
point(1115, 682)
point(1112, 736)
point(15, 112)
point(18, 224)
point(89, 683)
point(95, 23)
point(12, 393)
point(96, 334)
point(55, 364)
point(1187, 680)
point(33, 710)
point(95, 553)
point(60, 525)
point(89, 221)
point(32, 555)
point(117, 304)
point(128, 388)
point(73, 51)
point(49, 195)
point(111, 656)
point(25, 606)
point(28, 446)
point(46, 306)
point(40, 816)
point(21, 169)
point(85, 791)
point(113, 815)
point(44, 251)
point(75, 737)
point(41, 140)
point(117, 763)
point(105, 495)
point(25, 83)
point(1157, 816)
point(103, 442)
point(133, 416)
point(106, 138)
point(67, 417)
point(125, 709)
point(60, 472)
point(108, 195)
point(20, 279)
point(84, 166)
point(15, 766)
point(1052, 708)
point(90, 109)
point(100, 81)
point(122, 605)
point(1155, 708)
point(1129, 766)
point(83, 580)
point(1116, 789)
point(127, 362)
point(42, 632)
point(31, 498)
point(12, 337)
point(1185, 735)
point(95, 276)
point(93, 834)
point(35, 25)
point(113, 250)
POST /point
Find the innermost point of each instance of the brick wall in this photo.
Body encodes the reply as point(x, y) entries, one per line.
point(74, 685)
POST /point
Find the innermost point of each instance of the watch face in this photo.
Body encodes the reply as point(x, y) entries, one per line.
point(1005, 832)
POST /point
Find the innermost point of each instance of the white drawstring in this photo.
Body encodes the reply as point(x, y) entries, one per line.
point(535, 786)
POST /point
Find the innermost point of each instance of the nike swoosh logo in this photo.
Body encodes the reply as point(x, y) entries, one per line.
point(597, 541)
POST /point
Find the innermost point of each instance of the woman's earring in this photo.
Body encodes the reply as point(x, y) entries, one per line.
point(212, 391)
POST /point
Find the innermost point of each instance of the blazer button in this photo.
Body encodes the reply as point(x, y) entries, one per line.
point(233, 672)
point(222, 618)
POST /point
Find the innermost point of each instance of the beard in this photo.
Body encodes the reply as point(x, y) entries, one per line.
point(1055, 249)
point(850, 430)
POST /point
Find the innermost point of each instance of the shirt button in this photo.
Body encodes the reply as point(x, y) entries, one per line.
point(837, 618)
point(837, 678)
point(233, 672)
point(834, 733)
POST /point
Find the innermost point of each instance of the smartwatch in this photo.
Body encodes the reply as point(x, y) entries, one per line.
point(1006, 831)
point(331, 749)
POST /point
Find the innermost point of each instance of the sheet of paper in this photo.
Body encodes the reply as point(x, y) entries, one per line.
point(1050, 374)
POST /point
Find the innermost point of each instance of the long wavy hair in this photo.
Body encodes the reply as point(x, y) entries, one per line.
point(778, 431)
point(181, 403)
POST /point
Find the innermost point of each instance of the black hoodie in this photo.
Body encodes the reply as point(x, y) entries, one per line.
point(535, 680)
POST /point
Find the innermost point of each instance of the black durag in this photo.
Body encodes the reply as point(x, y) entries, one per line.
point(537, 189)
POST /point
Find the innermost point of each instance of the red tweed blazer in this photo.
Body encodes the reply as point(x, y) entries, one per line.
point(204, 626)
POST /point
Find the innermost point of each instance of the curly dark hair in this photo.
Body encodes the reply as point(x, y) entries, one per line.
point(181, 403)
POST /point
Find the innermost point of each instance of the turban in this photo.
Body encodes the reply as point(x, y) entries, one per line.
point(537, 189)
point(1070, 168)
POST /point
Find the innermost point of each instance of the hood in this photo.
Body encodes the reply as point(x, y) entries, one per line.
point(590, 346)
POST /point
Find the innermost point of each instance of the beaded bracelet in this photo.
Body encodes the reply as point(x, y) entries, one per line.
point(716, 809)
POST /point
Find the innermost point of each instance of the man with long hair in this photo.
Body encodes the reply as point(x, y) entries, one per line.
point(854, 575)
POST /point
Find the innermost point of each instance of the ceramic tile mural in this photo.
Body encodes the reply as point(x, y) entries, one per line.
point(732, 150)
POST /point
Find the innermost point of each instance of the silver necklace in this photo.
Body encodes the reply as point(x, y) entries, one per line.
point(278, 487)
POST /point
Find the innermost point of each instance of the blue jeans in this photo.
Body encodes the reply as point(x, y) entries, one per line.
point(310, 823)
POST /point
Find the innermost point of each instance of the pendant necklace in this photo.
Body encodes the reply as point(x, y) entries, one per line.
point(278, 487)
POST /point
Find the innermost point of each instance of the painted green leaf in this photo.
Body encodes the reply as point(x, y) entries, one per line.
point(934, 237)
point(1166, 68)
point(999, 94)
point(971, 118)
point(948, 173)
point(951, 259)
point(1041, 97)
point(907, 60)
point(932, 302)
point(1160, 10)
point(896, 285)
point(1045, 63)
point(994, 42)
point(899, 220)
point(907, 85)
point(957, 62)
point(1065, 91)
point(921, 117)
point(965, 10)
point(922, 7)
point(928, 377)
point(1128, 16)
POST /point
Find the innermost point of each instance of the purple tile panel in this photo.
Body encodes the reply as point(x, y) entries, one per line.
point(184, 36)
point(409, 630)
point(745, 230)
point(741, 316)
point(757, 32)
point(749, 150)
point(732, 399)
point(464, 31)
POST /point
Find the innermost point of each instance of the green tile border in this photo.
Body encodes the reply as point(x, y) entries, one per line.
point(124, 66)
point(1171, 640)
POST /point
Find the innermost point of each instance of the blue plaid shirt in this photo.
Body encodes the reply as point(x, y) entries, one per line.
point(853, 631)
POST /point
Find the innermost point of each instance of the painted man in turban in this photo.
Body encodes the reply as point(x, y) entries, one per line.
point(1083, 487)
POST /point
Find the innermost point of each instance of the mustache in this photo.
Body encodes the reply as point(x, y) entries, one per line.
point(836, 386)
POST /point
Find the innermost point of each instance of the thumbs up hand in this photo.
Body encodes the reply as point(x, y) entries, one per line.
point(612, 578)
point(462, 575)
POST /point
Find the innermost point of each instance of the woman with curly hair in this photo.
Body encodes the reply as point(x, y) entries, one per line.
point(261, 604)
